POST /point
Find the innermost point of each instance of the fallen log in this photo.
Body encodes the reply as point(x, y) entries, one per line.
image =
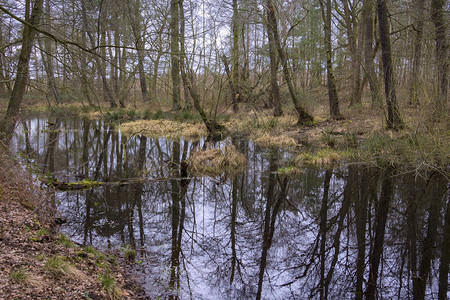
point(89, 184)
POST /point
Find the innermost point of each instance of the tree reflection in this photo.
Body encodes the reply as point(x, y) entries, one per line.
point(350, 232)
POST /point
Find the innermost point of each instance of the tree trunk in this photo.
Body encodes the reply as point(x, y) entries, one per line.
point(136, 23)
point(230, 80)
point(275, 91)
point(417, 54)
point(187, 99)
point(369, 55)
point(8, 123)
point(235, 54)
point(303, 116)
point(437, 15)
point(4, 78)
point(47, 58)
point(175, 53)
point(107, 89)
point(351, 27)
point(394, 120)
point(332, 91)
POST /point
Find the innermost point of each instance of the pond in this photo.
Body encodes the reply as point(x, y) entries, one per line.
point(263, 233)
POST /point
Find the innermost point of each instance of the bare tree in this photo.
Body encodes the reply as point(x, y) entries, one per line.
point(303, 116)
point(437, 15)
point(393, 119)
point(8, 123)
point(175, 53)
point(332, 90)
point(417, 54)
point(369, 54)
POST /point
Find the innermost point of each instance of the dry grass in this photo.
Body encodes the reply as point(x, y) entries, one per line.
point(214, 161)
point(167, 128)
point(323, 157)
point(281, 140)
point(59, 267)
point(18, 185)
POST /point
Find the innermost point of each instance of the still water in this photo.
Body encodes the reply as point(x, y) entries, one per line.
point(351, 232)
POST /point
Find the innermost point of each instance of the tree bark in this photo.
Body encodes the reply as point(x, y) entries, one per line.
point(175, 53)
point(187, 98)
point(437, 15)
point(8, 123)
point(394, 120)
point(351, 28)
point(275, 91)
point(235, 54)
point(332, 91)
point(417, 54)
point(369, 55)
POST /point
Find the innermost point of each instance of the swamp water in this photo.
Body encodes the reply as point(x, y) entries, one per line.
point(340, 233)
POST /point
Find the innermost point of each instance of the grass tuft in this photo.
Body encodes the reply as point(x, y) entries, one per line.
point(18, 276)
point(214, 161)
point(109, 284)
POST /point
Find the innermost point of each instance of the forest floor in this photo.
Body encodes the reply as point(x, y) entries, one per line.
point(38, 262)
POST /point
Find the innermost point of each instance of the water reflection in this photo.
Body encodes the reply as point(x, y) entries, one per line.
point(353, 232)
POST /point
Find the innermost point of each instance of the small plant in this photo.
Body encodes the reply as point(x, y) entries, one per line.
point(90, 249)
point(129, 254)
point(351, 140)
point(131, 114)
point(42, 232)
point(109, 284)
point(18, 276)
point(328, 139)
point(57, 266)
point(158, 115)
point(65, 241)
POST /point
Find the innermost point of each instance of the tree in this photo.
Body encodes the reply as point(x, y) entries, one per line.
point(175, 53)
point(393, 119)
point(8, 123)
point(417, 52)
point(47, 58)
point(303, 116)
point(354, 45)
point(101, 70)
point(437, 8)
point(275, 91)
point(136, 25)
point(369, 54)
point(332, 91)
point(235, 54)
